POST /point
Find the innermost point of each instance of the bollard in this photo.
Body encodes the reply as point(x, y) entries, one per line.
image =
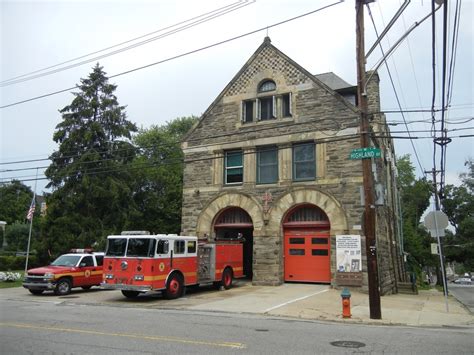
point(346, 303)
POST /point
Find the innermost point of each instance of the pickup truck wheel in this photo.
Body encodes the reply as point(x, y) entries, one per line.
point(130, 294)
point(227, 278)
point(174, 287)
point(63, 287)
point(36, 292)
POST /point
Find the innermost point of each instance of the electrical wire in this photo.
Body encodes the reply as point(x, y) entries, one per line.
point(395, 91)
point(172, 30)
point(185, 53)
point(153, 165)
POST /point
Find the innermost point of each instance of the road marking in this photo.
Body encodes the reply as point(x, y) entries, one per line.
point(295, 300)
point(134, 336)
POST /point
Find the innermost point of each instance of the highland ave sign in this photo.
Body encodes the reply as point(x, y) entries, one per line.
point(365, 153)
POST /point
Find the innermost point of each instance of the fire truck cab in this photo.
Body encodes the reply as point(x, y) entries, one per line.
point(136, 262)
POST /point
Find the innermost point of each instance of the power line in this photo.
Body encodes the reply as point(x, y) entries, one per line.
point(395, 91)
point(185, 25)
point(184, 54)
point(104, 170)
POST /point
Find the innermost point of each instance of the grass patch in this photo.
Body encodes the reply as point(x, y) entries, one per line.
point(10, 284)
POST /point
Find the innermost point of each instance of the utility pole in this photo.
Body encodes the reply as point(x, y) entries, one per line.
point(369, 210)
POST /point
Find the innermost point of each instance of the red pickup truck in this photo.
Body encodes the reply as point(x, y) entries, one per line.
point(79, 268)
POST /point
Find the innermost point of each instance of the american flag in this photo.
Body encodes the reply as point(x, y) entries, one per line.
point(31, 211)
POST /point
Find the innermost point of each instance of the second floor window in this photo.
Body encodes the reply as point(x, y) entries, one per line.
point(266, 108)
point(267, 165)
point(234, 168)
point(304, 161)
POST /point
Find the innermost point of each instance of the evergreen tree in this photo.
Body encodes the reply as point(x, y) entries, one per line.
point(91, 183)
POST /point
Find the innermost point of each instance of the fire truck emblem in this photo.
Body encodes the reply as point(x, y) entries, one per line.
point(161, 266)
point(87, 273)
point(124, 265)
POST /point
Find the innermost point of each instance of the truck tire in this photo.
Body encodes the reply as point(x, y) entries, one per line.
point(130, 294)
point(36, 292)
point(227, 277)
point(63, 287)
point(174, 287)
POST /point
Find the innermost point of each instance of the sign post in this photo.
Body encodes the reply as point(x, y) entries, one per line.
point(436, 222)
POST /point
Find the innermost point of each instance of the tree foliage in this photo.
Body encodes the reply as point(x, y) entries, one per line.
point(16, 199)
point(415, 196)
point(158, 177)
point(89, 172)
point(458, 204)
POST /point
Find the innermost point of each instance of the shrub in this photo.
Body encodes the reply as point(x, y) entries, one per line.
point(9, 262)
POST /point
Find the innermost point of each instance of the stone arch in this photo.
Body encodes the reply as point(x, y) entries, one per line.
point(326, 202)
point(226, 200)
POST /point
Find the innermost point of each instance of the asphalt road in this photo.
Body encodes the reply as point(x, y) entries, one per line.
point(464, 294)
point(52, 325)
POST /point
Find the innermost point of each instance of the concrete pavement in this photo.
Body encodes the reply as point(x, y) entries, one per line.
point(428, 308)
point(304, 301)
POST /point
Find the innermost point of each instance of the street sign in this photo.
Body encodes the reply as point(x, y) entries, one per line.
point(365, 153)
point(434, 249)
point(436, 222)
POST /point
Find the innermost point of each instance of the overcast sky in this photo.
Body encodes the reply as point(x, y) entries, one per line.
point(39, 34)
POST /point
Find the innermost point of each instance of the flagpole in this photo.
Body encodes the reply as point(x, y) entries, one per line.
point(31, 224)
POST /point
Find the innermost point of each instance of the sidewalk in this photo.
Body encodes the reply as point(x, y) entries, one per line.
point(319, 302)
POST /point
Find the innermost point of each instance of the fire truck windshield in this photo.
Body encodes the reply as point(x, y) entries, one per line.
point(116, 247)
point(66, 260)
point(141, 247)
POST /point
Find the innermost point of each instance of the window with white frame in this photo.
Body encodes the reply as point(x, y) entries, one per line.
point(286, 110)
point(233, 167)
point(267, 165)
point(304, 161)
point(264, 108)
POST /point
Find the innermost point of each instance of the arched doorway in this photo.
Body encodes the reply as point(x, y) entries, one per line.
point(307, 245)
point(234, 223)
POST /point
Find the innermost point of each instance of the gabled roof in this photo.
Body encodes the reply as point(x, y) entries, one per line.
point(330, 78)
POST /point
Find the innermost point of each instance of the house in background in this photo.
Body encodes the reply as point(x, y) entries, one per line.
point(269, 162)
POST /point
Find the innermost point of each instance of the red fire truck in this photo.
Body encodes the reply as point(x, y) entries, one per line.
point(136, 262)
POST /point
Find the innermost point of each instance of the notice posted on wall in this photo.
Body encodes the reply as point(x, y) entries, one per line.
point(348, 253)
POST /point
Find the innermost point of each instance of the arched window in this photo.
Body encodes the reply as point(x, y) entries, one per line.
point(267, 85)
point(306, 216)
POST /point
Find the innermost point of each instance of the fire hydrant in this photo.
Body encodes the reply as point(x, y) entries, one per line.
point(346, 303)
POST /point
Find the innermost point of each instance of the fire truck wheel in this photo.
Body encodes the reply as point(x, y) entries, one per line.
point(227, 278)
point(174, 287)
point(36, 292)
point(130, 294)
point(63, 287)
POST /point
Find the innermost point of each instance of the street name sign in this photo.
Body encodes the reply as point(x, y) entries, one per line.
point(365, 153)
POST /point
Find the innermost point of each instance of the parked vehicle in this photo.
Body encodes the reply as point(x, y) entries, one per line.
point(463, 281)
point(79, 268)
point(136, 263)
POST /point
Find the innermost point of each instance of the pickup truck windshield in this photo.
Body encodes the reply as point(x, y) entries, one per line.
point(144, 247)
point(66, 260)
point(116, 247)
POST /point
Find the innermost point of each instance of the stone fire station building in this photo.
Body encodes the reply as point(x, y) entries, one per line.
point(269, 161)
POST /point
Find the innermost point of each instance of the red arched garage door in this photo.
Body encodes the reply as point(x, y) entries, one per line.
point(307, 245)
